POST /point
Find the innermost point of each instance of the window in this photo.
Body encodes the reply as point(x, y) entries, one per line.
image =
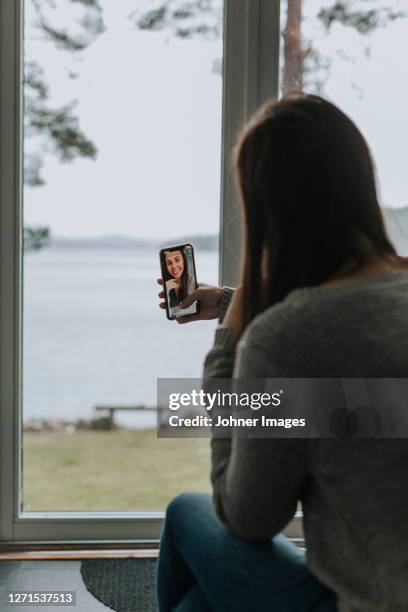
point(128, 162)
point(136, 110)
point(352, 54)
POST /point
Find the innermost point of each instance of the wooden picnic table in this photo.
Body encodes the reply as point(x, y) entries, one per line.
point(112, 408)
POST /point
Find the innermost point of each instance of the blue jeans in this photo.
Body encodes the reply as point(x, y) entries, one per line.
point(203, 567)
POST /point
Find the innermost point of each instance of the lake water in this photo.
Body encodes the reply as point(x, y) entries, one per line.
point(93, 332)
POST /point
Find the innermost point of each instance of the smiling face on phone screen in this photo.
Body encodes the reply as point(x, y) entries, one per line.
point(175, 263)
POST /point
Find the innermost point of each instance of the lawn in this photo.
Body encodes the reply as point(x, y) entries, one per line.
point(110, 470)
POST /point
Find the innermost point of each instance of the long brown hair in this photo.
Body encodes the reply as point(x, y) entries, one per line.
point(310, 205)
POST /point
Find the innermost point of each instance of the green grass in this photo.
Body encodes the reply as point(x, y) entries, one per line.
point(110, 470)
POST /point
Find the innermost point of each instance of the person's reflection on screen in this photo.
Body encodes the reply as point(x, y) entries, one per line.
point(180, 282)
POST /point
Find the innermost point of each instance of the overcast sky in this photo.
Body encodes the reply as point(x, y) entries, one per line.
point(153, 108)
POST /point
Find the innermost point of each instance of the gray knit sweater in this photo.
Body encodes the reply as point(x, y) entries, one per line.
point(354, 492)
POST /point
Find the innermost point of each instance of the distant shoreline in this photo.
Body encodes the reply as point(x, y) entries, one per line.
point(396, 221)
point(208, 242)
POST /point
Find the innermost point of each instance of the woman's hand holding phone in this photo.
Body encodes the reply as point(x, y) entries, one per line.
point(171, 284)
point(209, 298)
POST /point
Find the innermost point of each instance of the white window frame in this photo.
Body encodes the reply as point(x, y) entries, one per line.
point(251, 66)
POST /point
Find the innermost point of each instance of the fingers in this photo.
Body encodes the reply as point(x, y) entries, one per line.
point(191, 298)
point(188, 318)
point(161, 295)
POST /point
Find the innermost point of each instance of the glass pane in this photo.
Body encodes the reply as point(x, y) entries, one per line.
point(352, 53)
point(122, 156)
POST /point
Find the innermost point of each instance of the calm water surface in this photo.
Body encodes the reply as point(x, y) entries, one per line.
point(93, 332)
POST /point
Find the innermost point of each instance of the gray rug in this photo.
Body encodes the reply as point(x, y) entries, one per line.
point(125, 585)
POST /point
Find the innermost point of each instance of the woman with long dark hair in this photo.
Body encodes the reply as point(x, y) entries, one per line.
point(323, 294)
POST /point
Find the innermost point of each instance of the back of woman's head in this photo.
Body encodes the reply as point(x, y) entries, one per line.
point(309, 197)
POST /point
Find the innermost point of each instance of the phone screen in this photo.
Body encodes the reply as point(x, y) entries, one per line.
point(179, 279)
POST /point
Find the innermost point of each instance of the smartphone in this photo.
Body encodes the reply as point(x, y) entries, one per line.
point(179, 276)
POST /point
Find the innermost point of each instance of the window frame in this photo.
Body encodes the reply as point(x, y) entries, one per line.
point(250, 69)
point(251, 76)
